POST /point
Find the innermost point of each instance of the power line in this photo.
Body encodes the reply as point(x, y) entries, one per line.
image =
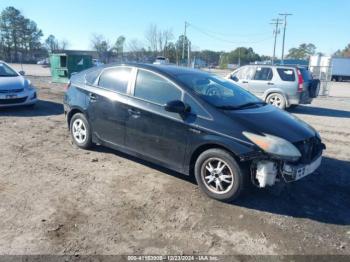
point(225, 34)
point(226, 40)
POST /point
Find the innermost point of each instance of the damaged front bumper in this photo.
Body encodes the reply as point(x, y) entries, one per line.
point(268, 171)
point(292, 172)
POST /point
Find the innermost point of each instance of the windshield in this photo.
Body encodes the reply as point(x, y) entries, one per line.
point(7, 71)
point(218, 91)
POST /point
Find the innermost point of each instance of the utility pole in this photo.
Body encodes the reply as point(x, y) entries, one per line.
point(284, 33)
point(275, 22)
point(239, 57)
point(189, 53)
point(183, 41)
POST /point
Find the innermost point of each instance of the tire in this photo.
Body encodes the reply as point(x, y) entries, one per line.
point(293, 106)
point(276, 100)
point(80, 131)
point(231, 188)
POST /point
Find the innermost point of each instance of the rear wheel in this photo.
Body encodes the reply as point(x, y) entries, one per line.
point(277, 100)
point(80, 131)
point(218, 175)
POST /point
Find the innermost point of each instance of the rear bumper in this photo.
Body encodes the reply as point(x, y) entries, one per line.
point(301, 98)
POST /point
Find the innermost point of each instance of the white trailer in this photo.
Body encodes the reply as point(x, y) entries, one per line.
point(340, 69)
point(330, 68)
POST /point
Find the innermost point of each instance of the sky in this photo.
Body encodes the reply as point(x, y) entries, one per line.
point(220, 25)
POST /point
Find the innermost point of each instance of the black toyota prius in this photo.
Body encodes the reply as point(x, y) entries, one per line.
point(192, 122)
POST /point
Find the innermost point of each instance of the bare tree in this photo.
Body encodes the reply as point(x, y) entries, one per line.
point(151, 36)
point(136, 49)
point(166, 35)
point(134, 45)
point(102, 47)
point(157, 39)
point(63, 45)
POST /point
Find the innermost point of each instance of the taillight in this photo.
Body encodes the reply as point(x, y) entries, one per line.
point(300, 81)
point(67, 86)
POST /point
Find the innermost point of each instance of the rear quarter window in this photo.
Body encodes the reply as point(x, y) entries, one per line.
point(286, 74)
point(306, 74)
point(91, 75)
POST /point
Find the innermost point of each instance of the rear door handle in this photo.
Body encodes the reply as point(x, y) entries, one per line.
point(270, 84)
point(245, 82)
point(133, 112)
point(92, 97)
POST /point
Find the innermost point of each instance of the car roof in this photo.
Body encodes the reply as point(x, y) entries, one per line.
point(172, 70)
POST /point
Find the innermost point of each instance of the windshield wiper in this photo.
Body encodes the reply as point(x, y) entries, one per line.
point(227, 107)
point(252, 104)
point(241, 106)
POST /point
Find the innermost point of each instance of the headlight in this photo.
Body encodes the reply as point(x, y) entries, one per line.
point(275, 146)
point(30, 85)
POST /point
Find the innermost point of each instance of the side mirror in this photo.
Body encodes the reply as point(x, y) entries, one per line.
point(22, 73)
point(177, 106)
point(234, 78)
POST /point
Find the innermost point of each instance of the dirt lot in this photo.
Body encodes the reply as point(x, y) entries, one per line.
point(57, 199)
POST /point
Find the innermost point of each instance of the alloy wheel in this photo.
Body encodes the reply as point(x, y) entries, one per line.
point(79, 131)
point(217, 175)
point(275, 100)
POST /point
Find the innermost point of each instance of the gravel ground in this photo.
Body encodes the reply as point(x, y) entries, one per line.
point(57, 199)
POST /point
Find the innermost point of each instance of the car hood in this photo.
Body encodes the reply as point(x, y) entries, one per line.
point(9, 83)
point(271, 120)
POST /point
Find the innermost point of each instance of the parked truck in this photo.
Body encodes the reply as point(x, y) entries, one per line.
point(328, 68)
point(340, 69)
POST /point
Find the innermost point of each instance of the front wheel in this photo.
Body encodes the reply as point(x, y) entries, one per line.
point(80, 131)
point(218, 175)
point(276, 100)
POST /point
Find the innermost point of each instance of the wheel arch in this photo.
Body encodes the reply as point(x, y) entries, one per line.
point(204, 147)
point(278, 91)
point(72, 112)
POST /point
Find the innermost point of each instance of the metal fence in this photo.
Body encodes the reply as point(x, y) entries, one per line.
point(324, 74)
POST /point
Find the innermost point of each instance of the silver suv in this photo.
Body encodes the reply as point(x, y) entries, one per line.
point(282, 86)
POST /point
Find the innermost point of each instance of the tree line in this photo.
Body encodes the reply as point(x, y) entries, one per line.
point(21, 40)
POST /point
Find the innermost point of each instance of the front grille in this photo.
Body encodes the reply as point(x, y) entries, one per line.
point(12, 101)
point(309, 149)
point(8, 91)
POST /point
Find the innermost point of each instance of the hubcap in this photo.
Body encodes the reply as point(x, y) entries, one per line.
point(217, 175)
point(275, 100)
point(79, 131)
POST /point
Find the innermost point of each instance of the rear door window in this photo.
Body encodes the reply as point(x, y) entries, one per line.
point(286, 74)
point(245, 73)
point(115, 79)
point(156, 89)
point(263, 74)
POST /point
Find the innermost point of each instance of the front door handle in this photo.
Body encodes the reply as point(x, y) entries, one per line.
point(92, 97)
point(270, 84)
point(245, 82)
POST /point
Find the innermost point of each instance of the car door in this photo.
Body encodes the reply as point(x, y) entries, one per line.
point(243, 76)
point(262, 80)
point(150, 130)
point(108, 105)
